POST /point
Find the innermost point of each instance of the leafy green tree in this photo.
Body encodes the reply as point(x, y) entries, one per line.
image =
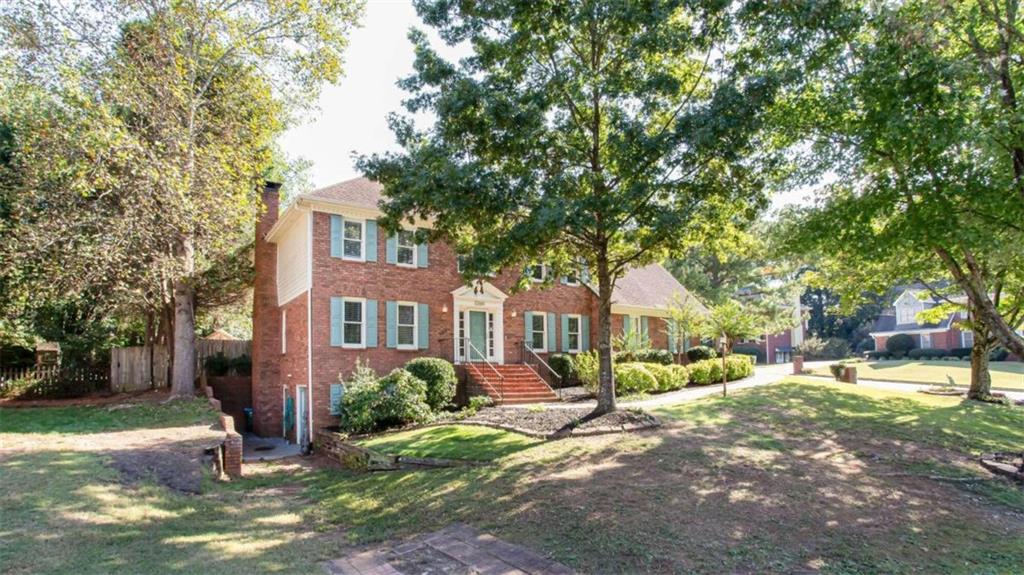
point(686, 319)
point(732, 258)
point(919, 119)
point(730, 322)
point(143, 131)
point(612, 133)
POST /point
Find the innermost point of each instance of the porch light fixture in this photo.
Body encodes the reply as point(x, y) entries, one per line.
point(514, 313)
point(444, 308)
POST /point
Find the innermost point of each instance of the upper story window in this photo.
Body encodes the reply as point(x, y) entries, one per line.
point(353, 323)
point(352, 240)
point(538, 329)
point(406, 336)
point(571, 280)
point(572, 331)
point(406, 254)
point(538, 272)
point(906, 314)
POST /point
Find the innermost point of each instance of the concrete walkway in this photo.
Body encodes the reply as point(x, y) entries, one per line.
point(763, 375)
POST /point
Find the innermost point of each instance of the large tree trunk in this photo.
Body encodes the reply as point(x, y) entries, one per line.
point(606, 376)
point(183, 372)
point(981, 379)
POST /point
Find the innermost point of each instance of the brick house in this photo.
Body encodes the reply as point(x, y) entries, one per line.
point(332, 288)
point(902, 318)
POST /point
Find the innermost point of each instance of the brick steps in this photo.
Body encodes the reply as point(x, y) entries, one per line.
point(520, 384)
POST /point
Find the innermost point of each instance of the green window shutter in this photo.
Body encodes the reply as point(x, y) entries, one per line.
point(371, 240)
point(423, 326)
point(337, 306)
point(337, 390)
point(627, 325)
point(371, 323)
point(337, 225)
point(391, 335)
point(644, 334)
point(565, 332)
point(391, 250)
point(528, 332)
point(585, 333)
point(421, 255)
point(552, 343)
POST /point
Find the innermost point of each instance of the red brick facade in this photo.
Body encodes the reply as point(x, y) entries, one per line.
point(277, 374)
point(946, 339)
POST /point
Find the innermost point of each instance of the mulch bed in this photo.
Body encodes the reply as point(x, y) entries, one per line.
point(558, 423)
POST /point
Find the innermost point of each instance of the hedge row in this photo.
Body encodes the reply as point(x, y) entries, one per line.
point(709, 371)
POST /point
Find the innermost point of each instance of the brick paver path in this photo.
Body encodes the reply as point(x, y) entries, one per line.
point(456, 549)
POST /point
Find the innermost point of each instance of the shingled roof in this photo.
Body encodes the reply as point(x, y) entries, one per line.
point(360, 192)
point(651, 286)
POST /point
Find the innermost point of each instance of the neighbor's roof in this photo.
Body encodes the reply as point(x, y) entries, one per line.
point(651, 286)
point(220, 334)
point(887, 324)
point(47, 346)
point(360, 192)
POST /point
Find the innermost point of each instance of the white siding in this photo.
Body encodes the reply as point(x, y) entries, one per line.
point(293, 259)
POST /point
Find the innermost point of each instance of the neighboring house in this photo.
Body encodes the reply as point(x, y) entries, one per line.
point(902, 318)
point(779, 347)
point(332, 288)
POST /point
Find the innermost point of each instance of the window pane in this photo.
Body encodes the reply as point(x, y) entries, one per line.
point(574, 325)
point(537, 272)
point(405, 255)
point(405, 238)
point(353, 230)
point(406, 335)
point(353, 333)
point(538, 340)
point(574, 341)
point(406, 314)
point(353, 248)
point(353, 311)
point(538, 323)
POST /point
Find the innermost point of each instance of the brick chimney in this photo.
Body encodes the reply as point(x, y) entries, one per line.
point(266, 322)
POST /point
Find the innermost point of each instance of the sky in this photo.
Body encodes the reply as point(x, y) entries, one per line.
point(351, 117)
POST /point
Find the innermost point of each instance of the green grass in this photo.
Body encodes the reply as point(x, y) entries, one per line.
point(452, 442)
point(101, 418)
point(793, 477)
point(1005, 374)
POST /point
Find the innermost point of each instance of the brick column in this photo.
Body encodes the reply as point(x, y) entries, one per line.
point(850, 375)
point(232, 447)
point(266, 323)
point(798, 364)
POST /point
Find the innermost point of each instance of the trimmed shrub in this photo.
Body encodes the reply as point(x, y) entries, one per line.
point(709, 371)
point(961, 352)
point(816, 349)
point(217, 365)
point(587, 370)
point(396, 399)
point(701, 352)
point(662, 356)
point(837, 370)
point(950, 358)
point(755, 351)
point(564, 365)
point(999, 354)
point(634, 378)
point(927, 353)
point(680, 376)
point(700, 371)
point(670, 377)
point(877, 355)
point(738, 367)
point(439, 375)
point(899, 344)
point(866, 344)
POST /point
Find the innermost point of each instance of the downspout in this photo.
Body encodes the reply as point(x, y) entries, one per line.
point(309, 324)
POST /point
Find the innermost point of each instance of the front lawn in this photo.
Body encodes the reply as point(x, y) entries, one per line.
point(103, 418)
point(1005, 374)
point(798, 476)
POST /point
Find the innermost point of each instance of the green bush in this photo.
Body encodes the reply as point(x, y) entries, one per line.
point(634, 378)
point(950, 358)
point(961, 352)
point(700, 371)
point(866, 344)
point(999, 354)
point(371, 404)
point(899, 344)
point(241, 365)
point(661, 356)
point(877, 355)
point(700, 353)
point(709, 371)
point(564, 365)
point(217, 365)
point(680, 376)
point(663, 374)
point(755, 351)
point(738, 367)
point(439, 375)
point(817, 349)
point(587, 370)
point(927, 353)
point(837, 370)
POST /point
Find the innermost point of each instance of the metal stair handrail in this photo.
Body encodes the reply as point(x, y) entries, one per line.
point(554, 373)
point(501, 378)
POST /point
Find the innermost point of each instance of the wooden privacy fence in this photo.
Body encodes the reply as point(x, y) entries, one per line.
point(130, 369)
point(52, 382)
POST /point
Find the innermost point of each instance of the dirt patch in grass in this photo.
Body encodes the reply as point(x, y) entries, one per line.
point(558, 423)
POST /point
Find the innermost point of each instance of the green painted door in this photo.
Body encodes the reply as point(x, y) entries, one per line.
point(477, 335)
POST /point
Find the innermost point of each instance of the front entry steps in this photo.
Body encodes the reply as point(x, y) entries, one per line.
point(508, 384)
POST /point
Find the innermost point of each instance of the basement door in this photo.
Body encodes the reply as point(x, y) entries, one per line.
point(302, 417)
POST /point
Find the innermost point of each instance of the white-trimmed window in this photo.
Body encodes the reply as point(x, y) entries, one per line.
point(353, 329)
point(406, 321)
point(571, 280)
point(926, 341)
point(406, 251)
point(967, 338)
point(353, 234)
point(538, 272)
point(284, 331)
point(572, 332)
point(539, 331)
